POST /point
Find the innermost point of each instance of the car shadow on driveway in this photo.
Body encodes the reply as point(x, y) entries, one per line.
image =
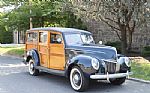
point(48, 83)
point(94, 86)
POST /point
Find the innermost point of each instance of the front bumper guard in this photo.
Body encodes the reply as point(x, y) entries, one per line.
point(110, 76)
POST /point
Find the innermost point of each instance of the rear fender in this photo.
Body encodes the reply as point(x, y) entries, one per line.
point(34, 55)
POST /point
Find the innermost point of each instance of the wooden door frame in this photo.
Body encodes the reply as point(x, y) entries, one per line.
point(45, 45)
point(62, 43)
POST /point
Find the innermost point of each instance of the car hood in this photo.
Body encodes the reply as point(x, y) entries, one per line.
point(94, 50)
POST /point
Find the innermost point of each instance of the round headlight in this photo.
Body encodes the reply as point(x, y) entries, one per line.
point(95, 63)
point(127, 61)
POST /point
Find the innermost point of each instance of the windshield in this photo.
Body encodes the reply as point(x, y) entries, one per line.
point(87, 38)
point(77, 38)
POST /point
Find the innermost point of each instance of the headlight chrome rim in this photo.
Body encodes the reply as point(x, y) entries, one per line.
point(95, 63)
point(127, 61)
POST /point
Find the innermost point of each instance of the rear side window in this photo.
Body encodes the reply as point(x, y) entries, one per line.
point(32, 37)
point(43, 37)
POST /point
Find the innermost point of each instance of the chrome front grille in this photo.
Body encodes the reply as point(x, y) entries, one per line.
point(110, 67)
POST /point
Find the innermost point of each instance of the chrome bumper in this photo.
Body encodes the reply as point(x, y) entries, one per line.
point(24, 60)
point(109, 76)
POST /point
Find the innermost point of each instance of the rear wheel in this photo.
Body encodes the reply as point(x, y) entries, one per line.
point(77, 79)
point(117, 81)
point(32, 70)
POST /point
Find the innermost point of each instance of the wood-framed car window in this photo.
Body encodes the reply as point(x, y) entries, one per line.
point(55, 38)
point(32, 37)
point(43, 37)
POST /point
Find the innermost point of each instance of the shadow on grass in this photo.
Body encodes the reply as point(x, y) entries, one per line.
point(11, 51)
point(16, 52)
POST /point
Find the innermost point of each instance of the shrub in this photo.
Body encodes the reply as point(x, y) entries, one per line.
point(115, 44)
point(147, 48)
point(6, 37)
point(146, 51)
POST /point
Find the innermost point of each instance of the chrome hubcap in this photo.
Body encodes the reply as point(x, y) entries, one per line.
point(31, 67)
point(76, 79)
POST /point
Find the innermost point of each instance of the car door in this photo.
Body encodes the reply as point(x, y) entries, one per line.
point(43, 48)
point(57, 53)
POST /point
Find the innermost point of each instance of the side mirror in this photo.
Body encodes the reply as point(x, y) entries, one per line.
point(100, 42)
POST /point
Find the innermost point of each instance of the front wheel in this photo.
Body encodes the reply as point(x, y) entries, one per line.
point(32, 70)
point(117, 81)
point(77, 79)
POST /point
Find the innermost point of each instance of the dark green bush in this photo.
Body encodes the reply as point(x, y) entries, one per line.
point(6, 37)
point(146, 51)
point(147, 48)
point(116, 44)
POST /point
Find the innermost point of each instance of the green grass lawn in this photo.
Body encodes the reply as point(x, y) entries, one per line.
point(141, 69)
point(15, 51)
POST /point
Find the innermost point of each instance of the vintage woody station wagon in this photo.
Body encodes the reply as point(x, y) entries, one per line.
point(73, 53)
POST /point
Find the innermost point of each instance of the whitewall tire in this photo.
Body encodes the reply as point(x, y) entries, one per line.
point(77, 79)
point(32, 70)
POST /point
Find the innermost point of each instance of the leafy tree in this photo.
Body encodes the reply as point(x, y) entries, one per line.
point(5, 34)
point(44, 13)
point(123, 16)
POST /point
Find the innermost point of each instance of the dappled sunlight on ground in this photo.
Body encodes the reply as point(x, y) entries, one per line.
point(4, 48)
point(10, 50)
point(140, 67)
point(140, 60)
point(4, 51)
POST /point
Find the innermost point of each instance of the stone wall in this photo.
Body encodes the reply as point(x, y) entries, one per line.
point(102, 32)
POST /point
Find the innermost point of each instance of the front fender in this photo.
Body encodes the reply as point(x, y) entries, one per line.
point(123, 67)
point(34, 55)
point(82, 61)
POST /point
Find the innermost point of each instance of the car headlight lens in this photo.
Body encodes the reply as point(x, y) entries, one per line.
point(127, 61)
point(95, 63)
point(28, 53)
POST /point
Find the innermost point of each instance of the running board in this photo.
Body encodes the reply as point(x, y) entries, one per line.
point(51, 71)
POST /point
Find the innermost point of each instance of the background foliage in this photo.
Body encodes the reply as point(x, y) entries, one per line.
point(45, 13)
point(122, 16)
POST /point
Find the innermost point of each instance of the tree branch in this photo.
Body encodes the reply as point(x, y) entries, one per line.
point(112, 20)
point(117, 34)
point(129, 16)
point(134, 24)
point(112, 27)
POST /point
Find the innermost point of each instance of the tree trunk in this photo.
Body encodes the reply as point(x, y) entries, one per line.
point(123, 40)
point(130, 41)
point(42, 22)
